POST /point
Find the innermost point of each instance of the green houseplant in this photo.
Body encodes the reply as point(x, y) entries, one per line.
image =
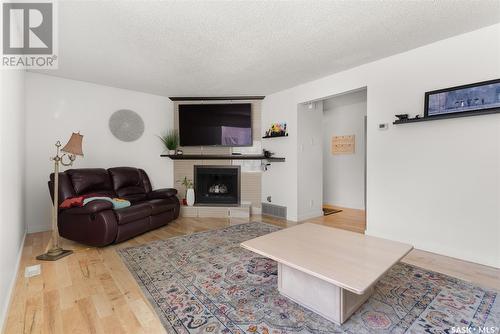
point(171, 141)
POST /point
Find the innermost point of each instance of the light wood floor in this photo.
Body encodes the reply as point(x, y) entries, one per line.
point(92, 291)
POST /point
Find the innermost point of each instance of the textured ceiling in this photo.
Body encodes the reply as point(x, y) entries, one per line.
point(246, 48)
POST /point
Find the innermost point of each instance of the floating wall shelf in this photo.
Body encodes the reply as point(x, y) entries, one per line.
point(275, 136)
point(222, 157)
point(446, 116)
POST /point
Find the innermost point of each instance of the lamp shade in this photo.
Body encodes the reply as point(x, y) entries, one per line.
point(74, 145)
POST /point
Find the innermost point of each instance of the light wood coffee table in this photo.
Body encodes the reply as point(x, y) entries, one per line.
point(327, 270)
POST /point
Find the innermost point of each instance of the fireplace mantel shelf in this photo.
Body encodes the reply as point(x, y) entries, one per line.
point(222, 157)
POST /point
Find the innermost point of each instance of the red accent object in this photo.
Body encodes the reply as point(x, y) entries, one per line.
point(77, 201)
point(71, 202)
point(184, 201)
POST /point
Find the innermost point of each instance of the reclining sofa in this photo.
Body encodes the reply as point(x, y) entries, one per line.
point(97, 223)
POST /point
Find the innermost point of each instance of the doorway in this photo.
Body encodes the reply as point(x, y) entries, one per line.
point(344, 157)
point(332, 159)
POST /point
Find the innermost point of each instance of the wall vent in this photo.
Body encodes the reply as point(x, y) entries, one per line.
point(274, 210)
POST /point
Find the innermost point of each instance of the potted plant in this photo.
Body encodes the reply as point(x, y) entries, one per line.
point(171, 141)
point(188, 184)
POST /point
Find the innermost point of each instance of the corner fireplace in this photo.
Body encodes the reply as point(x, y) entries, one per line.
point(217, 185)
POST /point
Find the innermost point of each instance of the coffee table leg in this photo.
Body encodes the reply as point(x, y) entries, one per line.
point(326, 299)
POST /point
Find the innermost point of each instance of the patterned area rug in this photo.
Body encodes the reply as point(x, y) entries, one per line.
point(206, 283)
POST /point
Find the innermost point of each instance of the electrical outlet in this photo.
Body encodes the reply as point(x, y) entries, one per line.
point(383, 126)
point(31, 271)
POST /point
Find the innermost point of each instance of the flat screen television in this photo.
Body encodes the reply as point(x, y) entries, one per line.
point(215, 124)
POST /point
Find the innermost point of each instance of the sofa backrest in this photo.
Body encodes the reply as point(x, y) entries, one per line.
point(83, 181)
point(130, 183)
point(126, 182)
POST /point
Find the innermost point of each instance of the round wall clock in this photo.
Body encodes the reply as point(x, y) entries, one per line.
point(126, 125)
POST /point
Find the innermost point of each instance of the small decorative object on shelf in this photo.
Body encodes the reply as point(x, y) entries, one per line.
point(403, 118)
point(179, 152)
point(276, 130)
point(171, 141)
point(267, 153)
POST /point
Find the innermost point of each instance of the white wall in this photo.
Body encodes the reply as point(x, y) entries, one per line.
point(309, 163)
point(55, 107)
point(13, 228)
point(434, 184)
point(344, 174)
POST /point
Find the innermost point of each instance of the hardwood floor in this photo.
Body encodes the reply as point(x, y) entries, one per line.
point(92, 291)
point(348, 219)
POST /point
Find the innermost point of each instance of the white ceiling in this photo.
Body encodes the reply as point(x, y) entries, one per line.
point(246, 48)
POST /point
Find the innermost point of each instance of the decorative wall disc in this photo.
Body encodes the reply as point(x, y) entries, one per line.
point(126, 125)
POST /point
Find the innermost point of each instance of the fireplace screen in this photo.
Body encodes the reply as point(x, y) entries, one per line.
point(217, 185)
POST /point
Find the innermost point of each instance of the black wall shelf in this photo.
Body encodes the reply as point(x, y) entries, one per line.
point(265, 137)
point(222, 157)
point(446, 116)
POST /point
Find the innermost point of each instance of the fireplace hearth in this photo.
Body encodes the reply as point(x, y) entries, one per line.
point(217, 185)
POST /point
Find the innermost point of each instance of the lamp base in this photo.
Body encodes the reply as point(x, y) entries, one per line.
point(51, 256)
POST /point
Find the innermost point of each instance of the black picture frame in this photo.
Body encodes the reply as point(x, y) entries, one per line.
point(462, 110)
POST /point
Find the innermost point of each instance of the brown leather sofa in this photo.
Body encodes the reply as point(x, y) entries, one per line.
point(97, 224)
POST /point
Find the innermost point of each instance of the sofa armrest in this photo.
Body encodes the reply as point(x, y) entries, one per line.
point(95, 229)
point(90, 208)
point(162, 193)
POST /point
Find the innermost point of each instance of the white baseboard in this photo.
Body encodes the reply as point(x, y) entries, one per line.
point(12, 284)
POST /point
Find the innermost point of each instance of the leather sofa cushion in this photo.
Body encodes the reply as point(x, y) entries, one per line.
point(162, 193)
point(133, 213)
point(134, 198)
point(91, 180)
point(160, 205)
point(126, 177)
point(128, 183)
point(132, 190)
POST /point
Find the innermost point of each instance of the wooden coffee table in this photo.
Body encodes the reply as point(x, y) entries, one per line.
point(327, 270)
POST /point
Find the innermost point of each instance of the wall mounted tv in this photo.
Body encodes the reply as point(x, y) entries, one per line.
point(215, 124)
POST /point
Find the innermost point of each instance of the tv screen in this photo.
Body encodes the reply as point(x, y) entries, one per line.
point(215, 124)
